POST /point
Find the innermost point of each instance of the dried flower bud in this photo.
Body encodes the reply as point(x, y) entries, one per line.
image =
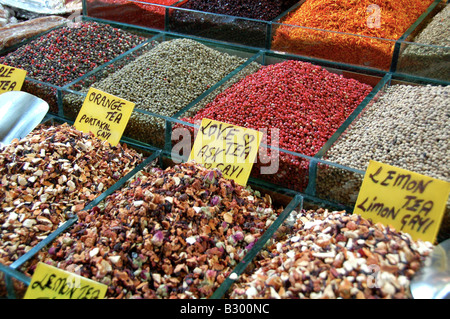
point(158, 238)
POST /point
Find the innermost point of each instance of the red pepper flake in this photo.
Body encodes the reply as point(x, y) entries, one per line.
point(305, 102)
point(355, 18)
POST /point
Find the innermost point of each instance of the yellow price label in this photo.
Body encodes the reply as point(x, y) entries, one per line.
point(105, 115)
point(49, 282)
point(230, 148)
point(11, 79)
point(408, 201)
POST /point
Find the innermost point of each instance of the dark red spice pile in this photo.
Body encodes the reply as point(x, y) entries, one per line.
point(261, 10)
point(305, 102)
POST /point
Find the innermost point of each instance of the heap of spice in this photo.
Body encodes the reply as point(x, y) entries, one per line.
point(67, 53)
point(163, 81)
point(303, 102)
point(173, 233)
point(333, 254)
point(265, 10)
point(428, 53)
point(355, 27)
point(49, 176)
point(136, 13)
point(219, 20)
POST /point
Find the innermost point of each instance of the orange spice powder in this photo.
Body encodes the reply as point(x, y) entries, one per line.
point(364, 30)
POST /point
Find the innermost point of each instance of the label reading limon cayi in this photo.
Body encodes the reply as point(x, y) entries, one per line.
point(49, 282)
point(230, 148)
point(11, 79)
point(105, 115)
point(408, 201)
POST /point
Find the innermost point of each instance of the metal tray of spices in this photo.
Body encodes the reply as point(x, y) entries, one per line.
point(162, 78)
point(218, 259)
point(41, 212)
point(59, 57)
point(345, 37)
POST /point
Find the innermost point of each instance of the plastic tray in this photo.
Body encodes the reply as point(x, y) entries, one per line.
point(340, 184)
point(220, 27)
point(296, 177)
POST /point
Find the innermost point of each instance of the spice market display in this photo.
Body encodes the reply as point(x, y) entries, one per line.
point(235, 21)
point(351, 39)
point(174, 233)
point(332, 84)
point(137, 13)
point(163, 81)
point(305, 102)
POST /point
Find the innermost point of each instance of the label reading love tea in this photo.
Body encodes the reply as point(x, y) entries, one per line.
point(11, 79)
point(49, 282)
point(105, 115)
point(408, 201)
point(230, 148)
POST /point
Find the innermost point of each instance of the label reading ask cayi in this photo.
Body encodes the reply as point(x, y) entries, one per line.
point(11, 79)
point(49, 282)
point(230, 148)
point(105, 115)
point(408, 201)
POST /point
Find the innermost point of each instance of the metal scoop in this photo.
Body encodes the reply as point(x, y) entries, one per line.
point(20, 113)
point(433, 280)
